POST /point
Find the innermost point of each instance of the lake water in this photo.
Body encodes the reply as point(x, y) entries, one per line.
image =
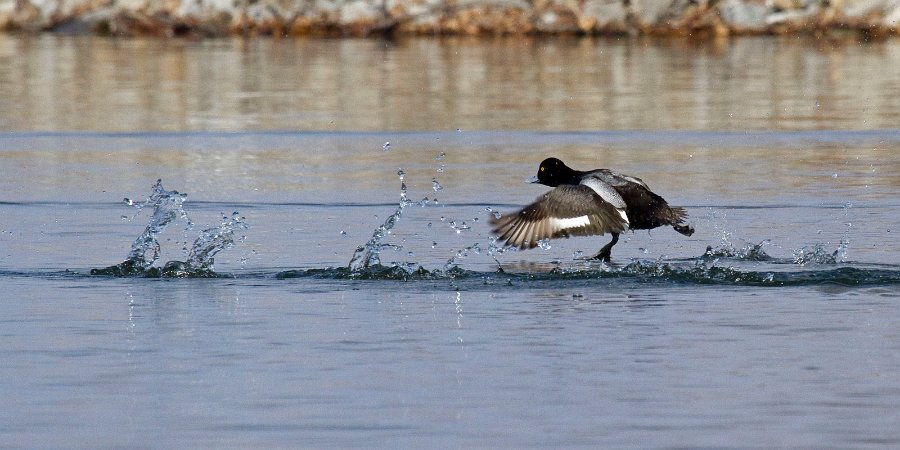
point(775, 325)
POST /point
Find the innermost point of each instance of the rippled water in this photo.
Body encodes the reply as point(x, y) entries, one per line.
point(774, 325)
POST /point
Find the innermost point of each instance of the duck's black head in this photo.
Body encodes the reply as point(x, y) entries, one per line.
point(554, 172)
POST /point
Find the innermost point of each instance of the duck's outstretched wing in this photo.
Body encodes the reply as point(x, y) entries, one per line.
point(567, 210)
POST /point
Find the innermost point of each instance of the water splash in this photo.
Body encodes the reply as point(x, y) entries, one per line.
point(497, 248)
point(213, 240)
point(440, 157)
point(749, 252)
point(460, 226)
point(145, 250)
point(368, 254)
point(463, 253)
point(817, 254)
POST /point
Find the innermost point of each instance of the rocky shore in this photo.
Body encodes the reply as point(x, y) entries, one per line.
point(201, 18)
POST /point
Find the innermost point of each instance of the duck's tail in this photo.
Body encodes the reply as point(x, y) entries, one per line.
point(680, 226)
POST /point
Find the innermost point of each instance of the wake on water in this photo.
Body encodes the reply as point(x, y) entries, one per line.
point(749, 265)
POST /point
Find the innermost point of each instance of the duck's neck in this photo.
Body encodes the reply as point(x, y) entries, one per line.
point(571, 176)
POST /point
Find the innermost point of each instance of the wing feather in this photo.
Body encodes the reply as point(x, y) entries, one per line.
point(567, 210)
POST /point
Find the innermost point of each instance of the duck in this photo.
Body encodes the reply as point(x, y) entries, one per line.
point(587, 203)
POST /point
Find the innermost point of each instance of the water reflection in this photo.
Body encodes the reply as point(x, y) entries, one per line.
point(91, 83)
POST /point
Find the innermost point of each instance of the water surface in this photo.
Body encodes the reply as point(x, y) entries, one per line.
point(774, 325)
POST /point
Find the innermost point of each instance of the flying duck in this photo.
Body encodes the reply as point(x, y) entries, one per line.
point(588, 203)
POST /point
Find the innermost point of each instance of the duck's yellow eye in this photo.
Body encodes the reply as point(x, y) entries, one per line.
point(542, 168)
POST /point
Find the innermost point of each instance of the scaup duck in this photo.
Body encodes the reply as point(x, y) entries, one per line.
point(588, 203)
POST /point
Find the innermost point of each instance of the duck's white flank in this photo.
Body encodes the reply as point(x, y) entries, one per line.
point(572, 222)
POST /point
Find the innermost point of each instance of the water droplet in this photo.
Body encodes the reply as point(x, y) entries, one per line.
point(488, 209)
point(440, 156)
point(497, 215)
point(458, 130)
point(401, 174)
point(436, 186)
point(386, 146)
point(544, 244)
point(834, 175)
point(443, 219)
point(429, 225)
point(578, 254)
point(433, 244)
point(730, 115)
point(128, 201)
point(440, 169)
point(474, 220)
point(343, 233)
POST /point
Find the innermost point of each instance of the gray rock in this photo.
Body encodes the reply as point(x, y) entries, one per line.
point(743, 15)
point(603, 15)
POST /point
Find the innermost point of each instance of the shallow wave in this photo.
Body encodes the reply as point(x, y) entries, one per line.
point(688, 272)
point(636, 272)
point(722, 266)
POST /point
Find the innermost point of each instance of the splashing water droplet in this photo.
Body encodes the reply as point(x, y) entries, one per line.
point(167, 206)
point(128, 201)
point(436, 185)
point(433, 244)
point(368, 255)
point(578, 254)
point(440, 156)
point(497, 215)
point(834, 175)
point(441, 168)
point(386, 146)
point(544, 244)
point(343, 233)
point(213, 240)
point(145, 250)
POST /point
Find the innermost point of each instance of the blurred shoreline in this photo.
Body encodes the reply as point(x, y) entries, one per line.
point(360, 18)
